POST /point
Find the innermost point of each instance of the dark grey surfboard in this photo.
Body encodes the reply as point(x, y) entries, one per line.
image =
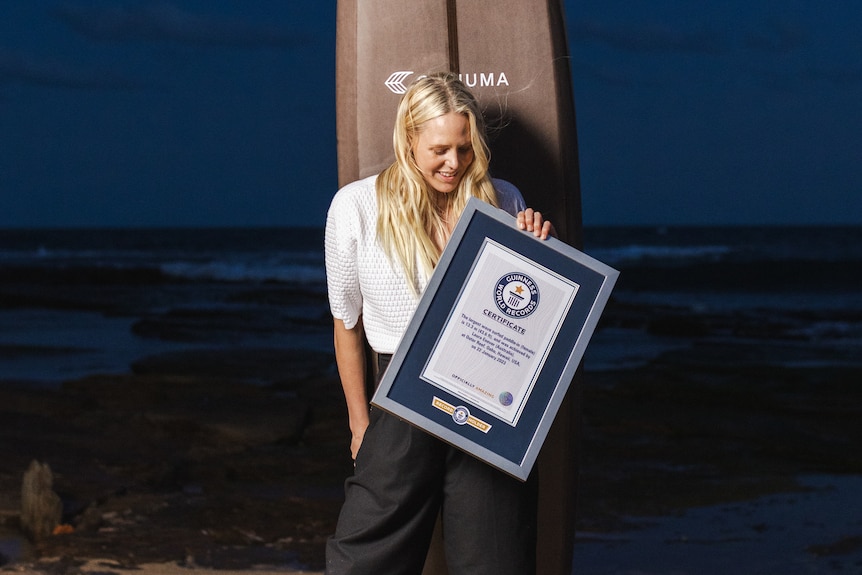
point(514, 56)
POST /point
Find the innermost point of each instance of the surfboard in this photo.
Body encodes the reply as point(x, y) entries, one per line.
point(513, 54)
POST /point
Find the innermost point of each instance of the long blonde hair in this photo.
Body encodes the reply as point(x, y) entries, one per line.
point(407, 209)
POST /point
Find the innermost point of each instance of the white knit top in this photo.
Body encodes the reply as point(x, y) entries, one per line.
point(361, 280)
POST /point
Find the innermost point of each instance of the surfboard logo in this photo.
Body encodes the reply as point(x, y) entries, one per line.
point(396, 82)
point(516, 295)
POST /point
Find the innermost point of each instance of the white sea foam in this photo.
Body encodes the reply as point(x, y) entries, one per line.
point(636, 253)
point(244, 271)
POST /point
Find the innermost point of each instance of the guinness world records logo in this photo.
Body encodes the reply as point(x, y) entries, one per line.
point(461, 415)
point(516, 295)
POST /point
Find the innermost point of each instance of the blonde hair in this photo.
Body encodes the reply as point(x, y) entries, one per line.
point(408, 217)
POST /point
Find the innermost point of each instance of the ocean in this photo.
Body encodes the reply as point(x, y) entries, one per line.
point(89, 301)
point(80, 302)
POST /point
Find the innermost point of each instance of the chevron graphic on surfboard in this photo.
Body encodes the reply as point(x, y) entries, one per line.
point(395, 82)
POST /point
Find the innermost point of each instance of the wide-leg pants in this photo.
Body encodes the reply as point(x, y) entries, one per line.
point(402, 480)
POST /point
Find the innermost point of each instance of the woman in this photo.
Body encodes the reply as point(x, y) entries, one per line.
point(384, 235)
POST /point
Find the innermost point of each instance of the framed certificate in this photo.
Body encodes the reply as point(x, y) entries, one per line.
point(496, 339)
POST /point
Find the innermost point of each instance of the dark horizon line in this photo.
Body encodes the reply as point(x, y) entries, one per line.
point(249, 227)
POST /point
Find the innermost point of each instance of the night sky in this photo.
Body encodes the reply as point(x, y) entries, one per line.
point(221, 113)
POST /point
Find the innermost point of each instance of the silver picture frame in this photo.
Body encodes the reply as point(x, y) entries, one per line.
point(496, 339)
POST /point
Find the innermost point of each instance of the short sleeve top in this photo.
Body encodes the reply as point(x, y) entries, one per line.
point(361, 281)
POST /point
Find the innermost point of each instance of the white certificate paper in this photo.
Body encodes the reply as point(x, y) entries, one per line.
point(500, 331)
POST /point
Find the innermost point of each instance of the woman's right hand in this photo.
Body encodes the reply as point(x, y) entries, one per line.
point(356, 441)
point(350, 358)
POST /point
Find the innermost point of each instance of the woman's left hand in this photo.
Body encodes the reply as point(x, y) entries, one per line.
point(532, 221)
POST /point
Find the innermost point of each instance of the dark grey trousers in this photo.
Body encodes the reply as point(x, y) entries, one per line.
point(403, 479)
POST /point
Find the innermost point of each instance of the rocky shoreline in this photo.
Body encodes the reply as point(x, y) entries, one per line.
point(162, 465)
point(191, 461)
